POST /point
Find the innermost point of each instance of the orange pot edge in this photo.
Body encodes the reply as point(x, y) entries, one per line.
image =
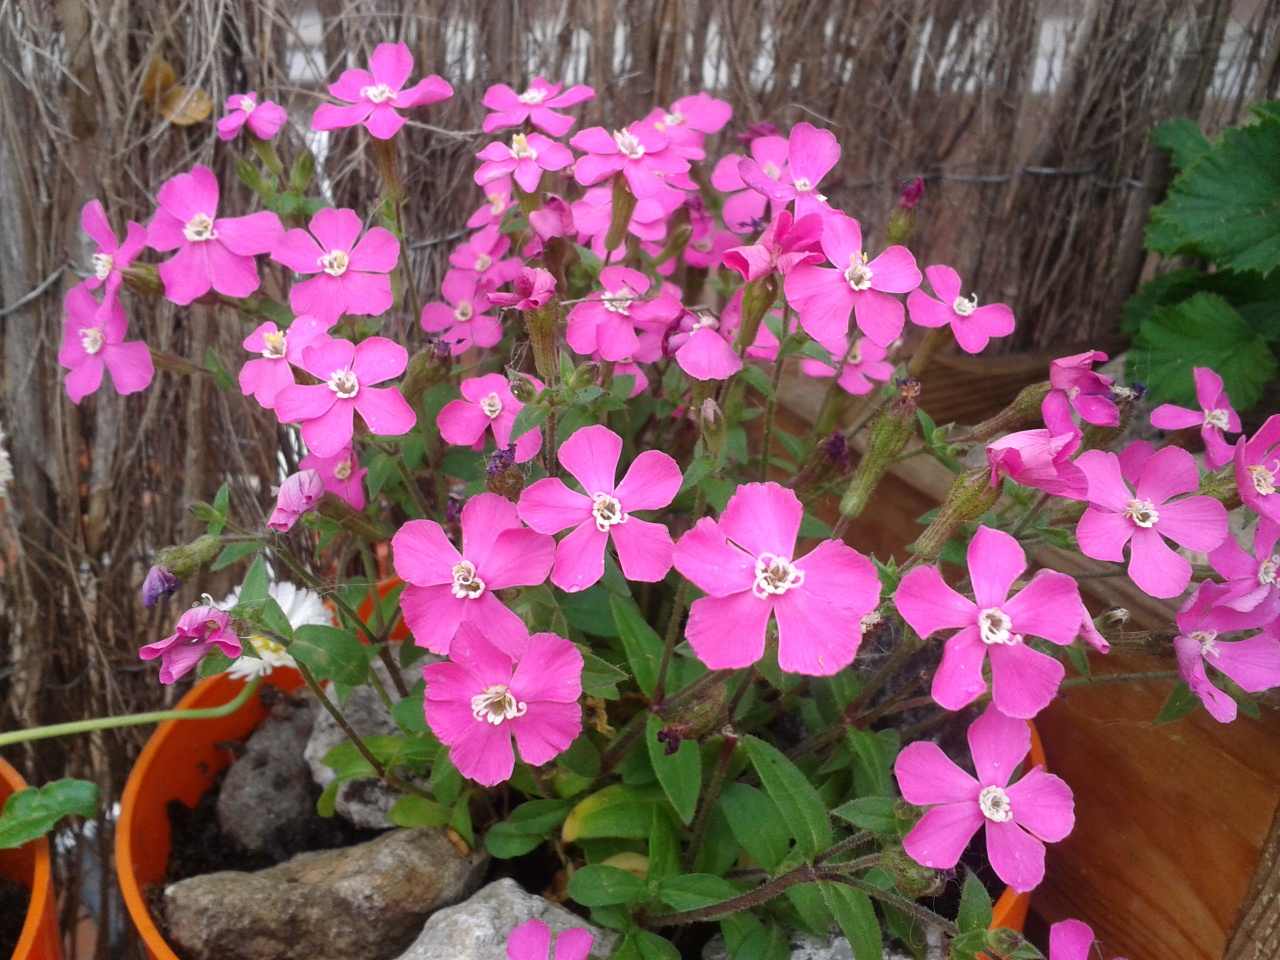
point(31, 866)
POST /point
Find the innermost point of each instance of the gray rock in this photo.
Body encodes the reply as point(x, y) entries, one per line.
point(267, 795)
point(804, 946)
point(477, 929)
point(363, 802)
point(367, 901)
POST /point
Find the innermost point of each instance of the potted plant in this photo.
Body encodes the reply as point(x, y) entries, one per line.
point(24, 863)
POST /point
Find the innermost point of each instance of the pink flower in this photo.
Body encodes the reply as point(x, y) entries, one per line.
point(972, 326)
point(593, 214)
point(607, 321)
point(1077, 387)
point(995, 625)
point(707, 244)
point(1257, 465)
point(1040, 459)
point(198, 631)
point(823, 296)
point(264, 119)
point(299, 494)
point(783, 245)
point(811, 153)
point(858, 367)
point(761, 128)
point(348, 374)
point(523, 160)
point(447, 588)
point(487, 404)
point(279, 351)
point(553, 219)
point(538, 105)
point(1071, 940)
point(701, 349)
point(1144, 516)
point(483, 253)
point(93, 340)
point(1019, 817)
point(1254, 578)
point(689, 121)
point(375, 95)
point(484, 695)
point(462, 322)
point(213, 252)
point(1252, 663)
point(534, 287)
point(341, 473)
point(497, 201)
point(532, 941)
point(112, 258)
point(352, 272)
point(746, 565)
point(1214, 418)
point(604, 511)
point(744, 207)
point(639, 152)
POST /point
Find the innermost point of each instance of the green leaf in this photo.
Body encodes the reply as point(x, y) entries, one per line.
point(232, 553)
point(746, 938)
point(975, 905)
point(274, 619)
point(600, 678)
point(856, 916)
point(332, 654)
point(698, 471)
point(1182, 138)
point(254, 585)
point(1181, 702)
point(664, 849)
point(641, 642)
point(679, 773)
point(414, 811)
point(694, 890)
point(596, 885)
point(392, 751)
point(795, 796)
point(877, 814)
point(873, 757)
point(530, 416)
point(213, 663)
point(654, 947)
point(504, 841)
point(618, 810)
point(756, 824)
point(221, 507)
point(588, 611)
point(302, 171)
point(1204, 331)
point(32, 812)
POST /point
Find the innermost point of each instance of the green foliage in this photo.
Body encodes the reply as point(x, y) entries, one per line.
point(679, 773)
point(797, 800)
point(32, 812)
point(331, 654)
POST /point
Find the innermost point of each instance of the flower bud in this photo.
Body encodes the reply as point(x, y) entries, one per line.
point(711, 424)
point(187, 559)
point(624, 205)
point(971, 495)
point(541, 324)
point(890, 432)
point(585, 375)
point(911, 879)
point(695, 716)
point(502, 476)
point(1023, 411)
point(299, 494)
point(426, 368)
point(757, 298)
point(158, 584)
point(522, 387)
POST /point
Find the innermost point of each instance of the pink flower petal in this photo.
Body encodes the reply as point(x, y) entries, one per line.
point(1106, 482)
point(1220, 705)
point(550, 669)
point(579, 558)
point(763, 518)
point(880, 316)
point(232, 275)
point(366, 294)
point(302, 402)
point(928, 312)
point(250, 235)
point(708, 356)
point(1197, 523)
point(822, 299)
point(84, 379)
point(1154, 567)
point(519, 558)
point(378, 251)
point(1167, 472)
point(548, 506)
point(813, 152)
point(998, 744)
point(335, 228)
point(1023, 680)
point(928, 604)
point(385, 410)
point(706, 558)
point(485, 756)
point(186, 275)
point(1049, 607)
point(815, 638)
point(958, 680)
point(591, 455)
point(130, 366)
point(995, 560)
point(1167, 416)
point(433, 614)
point(574, 944)
point(840, 575)
point(350, 83)
point(644, 549)
point(546, 730)
point(895, 271)
point(1016, 857)
point(93, 221)
point(727, 633)
point(391, 63)
point(1253, 663)
point(423, 554)
point(428, 90)
point(331, 431)
point(941, 835)
point(1070, 940)
point(297, 249)
point(1102, 534)
point(532, 939)
point(332, 116)
point(1043, 804)
point(378, 359)
point(650, 483)
point(928, 776)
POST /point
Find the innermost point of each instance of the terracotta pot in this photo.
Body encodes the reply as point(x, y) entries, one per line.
point(29, 865)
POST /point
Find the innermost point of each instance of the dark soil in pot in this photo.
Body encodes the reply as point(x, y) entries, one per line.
point(14, 899)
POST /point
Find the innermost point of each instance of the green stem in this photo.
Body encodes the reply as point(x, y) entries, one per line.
point(384, 654)
point(1094, 680)
point(770, 414)
point(411, 485)
point(1036, 505)
point(709, 797)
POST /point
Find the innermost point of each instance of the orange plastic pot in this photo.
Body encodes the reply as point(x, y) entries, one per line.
point(180, 762)
point(366, 608)
point(29, 865)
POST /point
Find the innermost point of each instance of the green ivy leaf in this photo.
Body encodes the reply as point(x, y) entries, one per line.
point(797, 800)
point(332, 654)
point(679, 773)
point(596, 885)
point(32, 812)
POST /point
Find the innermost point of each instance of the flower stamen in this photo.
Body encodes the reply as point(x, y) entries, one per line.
point(995, 805)
point(91, 339)
point(335, 262)
point(497, 705)
point(377, 93)
point(1264, 479)
point(964, 306)
point(607, 511)
point(491, 405)
point(1143, 513)
point(466, 585)
point(344, 383)
point(996, 628)
point(775, 575)
point(858, 275)
point(274, 345)
point(1218, 417)
point(200, 228)
point(629, 144)
point(102, 264)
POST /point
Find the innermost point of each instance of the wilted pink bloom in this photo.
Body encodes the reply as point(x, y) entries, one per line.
point(462, 322)
point(911, 194)
point(607, 321)
point(1214, 418)
point(112, 257)
point(639, 152)
point(1089, 631)
point(757, 130)
point(1071, 940)
point(93, 340)
point(447, 588)
point(1254, 578)
point(534, 287)
point(1019, 817)
point(746, 565)
point(1144, 516)
point(348, 374)
point(811, 153)
point(299, 494)
point(484, 253)
point(198, 631)
point(532, 941)
point(701, 349)
point(264, 119)
point(375, 95)
point(1077, 387)
point(604, 510)
point(487, 404)
point(484, 695)
point(689, 121)
point(1252, 663)
point(523, 160)
point(972, 326)
point(744, 207)
point(995, 625)
point(538, 105)
point(353, 272)
point(553, 219)
point(784, 244)
point(1257, 467)
point(858, 367)
point(341, 473)
point(279, 351)
point(213, 252)
point(823, 296)
point(1040, 459)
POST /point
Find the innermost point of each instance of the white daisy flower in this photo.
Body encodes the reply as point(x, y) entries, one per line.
point(300, 606)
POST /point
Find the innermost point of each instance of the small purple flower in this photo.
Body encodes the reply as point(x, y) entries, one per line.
point(158, 584)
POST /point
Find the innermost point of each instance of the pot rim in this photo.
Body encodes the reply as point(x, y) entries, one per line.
point(41, 916)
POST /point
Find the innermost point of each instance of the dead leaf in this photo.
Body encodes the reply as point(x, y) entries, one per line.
point(157, 81)
point(183, 106)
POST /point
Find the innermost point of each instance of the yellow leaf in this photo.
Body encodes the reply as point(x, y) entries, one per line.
point(634, 863)
point(157, 80)
point(183, 106)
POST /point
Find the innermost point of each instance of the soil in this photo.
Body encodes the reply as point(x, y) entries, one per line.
point(13, 914)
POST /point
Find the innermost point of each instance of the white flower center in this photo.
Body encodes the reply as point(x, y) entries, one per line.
point(491, 404)
point(378, 93)
point(274, 345)
point(1264, 480)
point(964, 306)
point(855, 354)
point(772, 170)
point(1208, 640)
point(533, 96)
point(802, 184)
point(497, 202)
point(483, 262)
point(1142, 512)
point(775, 575)
point(335, 262)
point(464, 311)
point(1268, 570)
point(102, 264)
point(858, 274)
point(619, 301)
point(1122, 393)
point(344, 383)
point(704, 321)
point(673, 119)
point(247, 104)
point(466, 585)
point(994, 804)
point(520, 148)
point(996, 627)
point(1218, 418)
point(200, 228)
point(629, 144)
point(607, 511)
point(870, 620)
point(342, 469)
point(91, 339)
point(497, 705)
